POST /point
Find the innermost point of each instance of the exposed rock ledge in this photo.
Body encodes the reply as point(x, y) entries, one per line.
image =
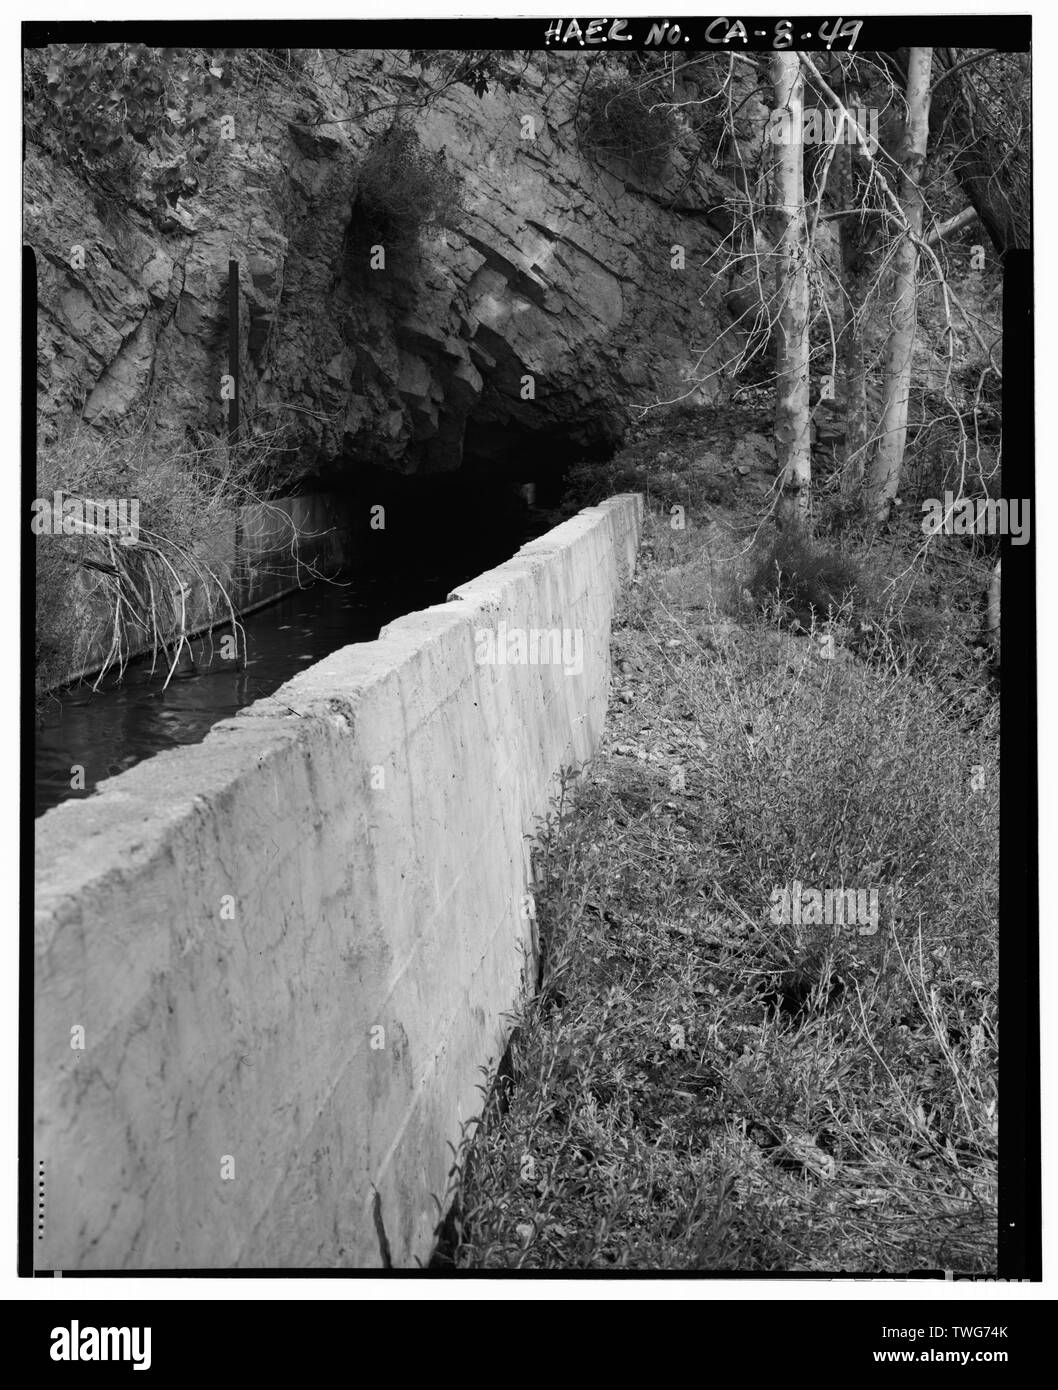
point(561, 271)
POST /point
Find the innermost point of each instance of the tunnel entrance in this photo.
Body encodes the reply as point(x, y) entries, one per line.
point(538, 457)
point(446, 527)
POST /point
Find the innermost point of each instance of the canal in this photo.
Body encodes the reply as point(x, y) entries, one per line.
point(432, 543)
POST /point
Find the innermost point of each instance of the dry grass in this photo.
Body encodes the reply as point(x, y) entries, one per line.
point(695, 1086)
point(181, 570)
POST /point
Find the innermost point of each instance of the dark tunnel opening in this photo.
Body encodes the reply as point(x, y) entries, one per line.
point(444, 527)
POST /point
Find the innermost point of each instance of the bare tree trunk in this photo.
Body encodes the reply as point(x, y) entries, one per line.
point(854, 266)
point(884, 479)
point(992, 620)
point(792, 415)
point(977, 130)
point(856, 424)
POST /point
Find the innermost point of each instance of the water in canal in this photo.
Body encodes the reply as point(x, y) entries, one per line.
point(126, 721)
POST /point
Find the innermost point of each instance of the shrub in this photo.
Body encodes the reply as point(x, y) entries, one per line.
point(122, 111)
point(619, 121)
point(402, 190)
point(807, 581)
point(691, 478)
point(903, 620)
point(480, 69)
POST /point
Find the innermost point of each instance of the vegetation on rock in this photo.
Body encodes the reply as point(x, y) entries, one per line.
point(402, 191)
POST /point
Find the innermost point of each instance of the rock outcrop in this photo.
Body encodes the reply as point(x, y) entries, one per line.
point(561, 270)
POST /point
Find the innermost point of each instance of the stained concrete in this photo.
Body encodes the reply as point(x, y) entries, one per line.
point(292, 947)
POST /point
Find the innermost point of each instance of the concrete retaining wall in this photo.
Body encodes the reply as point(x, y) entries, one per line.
point(290, 948)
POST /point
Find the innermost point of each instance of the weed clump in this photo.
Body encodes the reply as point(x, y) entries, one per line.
point(402, 191)
point(618, 121)
point(805, 585)
point(809, 582)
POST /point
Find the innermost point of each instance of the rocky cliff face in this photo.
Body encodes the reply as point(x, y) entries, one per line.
point(561, 270)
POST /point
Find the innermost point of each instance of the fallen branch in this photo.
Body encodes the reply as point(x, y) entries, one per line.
point(952, 224)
